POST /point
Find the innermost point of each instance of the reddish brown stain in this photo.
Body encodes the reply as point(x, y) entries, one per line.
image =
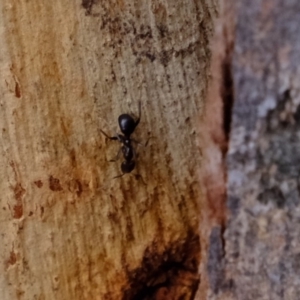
point(42, 210)
point(19, 192)
point(163, 294)
point(18, 211)
point(38, 183)
point(54, 184)
point(170, 274)
point(79, 188)
point(18, 208)
point(12, 259)
point(73, 157)
point(17, 90)
point(19, 293)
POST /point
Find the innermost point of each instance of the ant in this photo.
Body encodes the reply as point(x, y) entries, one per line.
point(127, 126)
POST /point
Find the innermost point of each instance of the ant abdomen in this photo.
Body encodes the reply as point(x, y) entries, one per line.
point(127, 166)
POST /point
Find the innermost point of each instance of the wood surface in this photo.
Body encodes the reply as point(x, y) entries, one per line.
point(68, 69)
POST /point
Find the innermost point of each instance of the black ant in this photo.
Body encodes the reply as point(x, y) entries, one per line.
point(127, 126)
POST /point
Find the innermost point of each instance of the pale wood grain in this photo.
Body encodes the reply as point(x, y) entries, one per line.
point(68, 230)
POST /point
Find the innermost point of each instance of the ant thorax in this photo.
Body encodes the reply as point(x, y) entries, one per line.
point(127, 142)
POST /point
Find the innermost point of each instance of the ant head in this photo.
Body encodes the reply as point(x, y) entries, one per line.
point(127, 124)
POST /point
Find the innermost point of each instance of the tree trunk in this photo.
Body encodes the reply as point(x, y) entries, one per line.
point(258, 256)
point(68, 69)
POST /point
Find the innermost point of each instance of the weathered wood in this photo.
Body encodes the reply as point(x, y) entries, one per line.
point(215, 129)
point(68, 69)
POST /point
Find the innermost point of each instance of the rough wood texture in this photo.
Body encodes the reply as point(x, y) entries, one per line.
point(69, 68)
point(259, 255)
point(214, 144)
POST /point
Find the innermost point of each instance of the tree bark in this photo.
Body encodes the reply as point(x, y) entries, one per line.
point(256, 254)
point(68, 69)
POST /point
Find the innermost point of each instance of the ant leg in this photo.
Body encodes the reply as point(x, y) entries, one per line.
point(115, 138)
point(146, 144)
point(140, 108)
point(119, 176)
point(139, 143)
point(117, 156)
point(139, 118)
point(138, 176)
point(135, 155)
